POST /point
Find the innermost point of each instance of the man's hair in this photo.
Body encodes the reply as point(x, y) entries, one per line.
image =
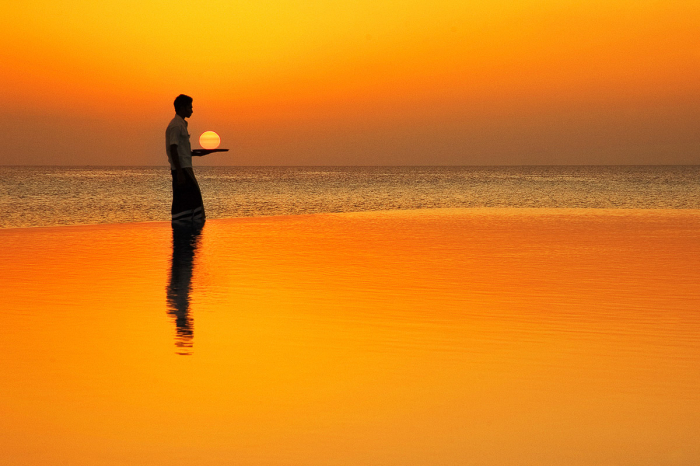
point(182, 101)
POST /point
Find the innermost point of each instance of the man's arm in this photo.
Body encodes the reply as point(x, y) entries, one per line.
point(179, 172)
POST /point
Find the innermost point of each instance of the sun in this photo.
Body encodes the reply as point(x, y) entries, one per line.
point(209, 140)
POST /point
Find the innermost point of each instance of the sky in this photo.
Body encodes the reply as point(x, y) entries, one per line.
point(361, 82)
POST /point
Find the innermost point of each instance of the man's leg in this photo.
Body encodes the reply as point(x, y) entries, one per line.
point(187, 207)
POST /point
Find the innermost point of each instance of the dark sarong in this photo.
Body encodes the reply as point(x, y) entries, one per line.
point(188, 207)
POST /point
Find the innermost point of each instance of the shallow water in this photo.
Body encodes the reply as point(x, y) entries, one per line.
point(432, 337)
point(46, 196)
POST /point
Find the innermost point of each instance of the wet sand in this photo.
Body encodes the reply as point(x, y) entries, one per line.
point(432, 337)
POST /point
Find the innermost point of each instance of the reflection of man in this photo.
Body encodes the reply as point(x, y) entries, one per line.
point(188, 208)
point(185, 241)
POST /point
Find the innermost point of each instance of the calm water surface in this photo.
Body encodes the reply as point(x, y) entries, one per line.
point(426, 316)
point(45, 196)
point(426, 337)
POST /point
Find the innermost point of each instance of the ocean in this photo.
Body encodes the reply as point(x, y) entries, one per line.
point(52, 196)
point(449, 316)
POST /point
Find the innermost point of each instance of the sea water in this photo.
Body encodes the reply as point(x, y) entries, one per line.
point(51, 196)
point(415, 337)
point(552, 321)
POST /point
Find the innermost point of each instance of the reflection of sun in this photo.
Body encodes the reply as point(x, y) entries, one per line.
point(209, 140)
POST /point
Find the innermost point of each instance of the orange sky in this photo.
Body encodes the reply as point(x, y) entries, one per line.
point(354, 83)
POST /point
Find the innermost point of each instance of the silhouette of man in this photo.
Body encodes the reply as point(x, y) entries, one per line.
point(187, 207)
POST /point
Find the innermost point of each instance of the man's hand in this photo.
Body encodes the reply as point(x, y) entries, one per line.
point(201, 152)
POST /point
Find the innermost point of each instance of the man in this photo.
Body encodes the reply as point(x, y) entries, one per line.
point(188, 207)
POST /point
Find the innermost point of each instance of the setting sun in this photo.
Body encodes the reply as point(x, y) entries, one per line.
point(209, 140)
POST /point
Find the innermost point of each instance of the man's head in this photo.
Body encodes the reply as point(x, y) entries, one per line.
point(183, 105)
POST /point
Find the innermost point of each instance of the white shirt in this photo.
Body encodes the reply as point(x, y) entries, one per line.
point(177, 134)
